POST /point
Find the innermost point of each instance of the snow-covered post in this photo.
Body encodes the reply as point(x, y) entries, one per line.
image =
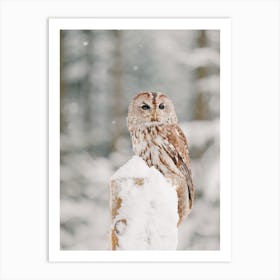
point(143, 209)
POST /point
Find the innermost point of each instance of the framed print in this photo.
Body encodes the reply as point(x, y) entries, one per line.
point(73, 189)
point(96, 66)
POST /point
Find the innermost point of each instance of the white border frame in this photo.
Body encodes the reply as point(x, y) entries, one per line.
point(57, 255)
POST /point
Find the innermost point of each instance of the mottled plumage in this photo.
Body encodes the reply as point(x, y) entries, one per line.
point(157, 138)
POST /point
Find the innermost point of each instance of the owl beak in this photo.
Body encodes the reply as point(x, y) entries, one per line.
point(154, 116)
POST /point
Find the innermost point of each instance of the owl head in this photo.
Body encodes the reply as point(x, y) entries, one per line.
point(150, 109)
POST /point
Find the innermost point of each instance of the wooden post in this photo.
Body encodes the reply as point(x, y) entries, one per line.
point(143, 209)
point(115, 205)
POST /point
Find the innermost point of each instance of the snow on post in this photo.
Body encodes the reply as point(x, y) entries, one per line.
point(143, 209)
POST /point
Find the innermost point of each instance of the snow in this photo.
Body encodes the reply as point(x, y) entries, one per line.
point(209, 84)
point(203, 56)
point(205, 136)
point(149, 208)
point(76, 71)
point(134, 168)
point(201, 132)
point(85, 221)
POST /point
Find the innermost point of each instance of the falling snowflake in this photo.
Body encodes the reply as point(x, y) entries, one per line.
point(135, 67)
point(85, 43)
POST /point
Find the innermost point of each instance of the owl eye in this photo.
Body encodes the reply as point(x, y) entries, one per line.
point(161, 106)
point(145, 107)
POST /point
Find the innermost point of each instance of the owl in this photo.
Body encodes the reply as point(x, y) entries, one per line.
point(160, 142)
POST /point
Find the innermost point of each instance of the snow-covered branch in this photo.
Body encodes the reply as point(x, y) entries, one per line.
point(143, 209)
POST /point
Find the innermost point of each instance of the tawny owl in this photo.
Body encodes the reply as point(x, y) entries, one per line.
point(157, 138)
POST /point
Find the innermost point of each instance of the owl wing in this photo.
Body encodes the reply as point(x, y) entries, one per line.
point(179, 153)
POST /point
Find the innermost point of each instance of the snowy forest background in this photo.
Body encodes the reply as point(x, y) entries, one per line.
point(101, 70)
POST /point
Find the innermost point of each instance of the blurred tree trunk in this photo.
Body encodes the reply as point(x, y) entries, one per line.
point(207, 76)
point(201, 111)
point(117, 89)
point(62, 87)
point(86, 85)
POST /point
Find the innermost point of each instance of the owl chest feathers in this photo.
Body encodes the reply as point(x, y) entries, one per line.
point(151, 143)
